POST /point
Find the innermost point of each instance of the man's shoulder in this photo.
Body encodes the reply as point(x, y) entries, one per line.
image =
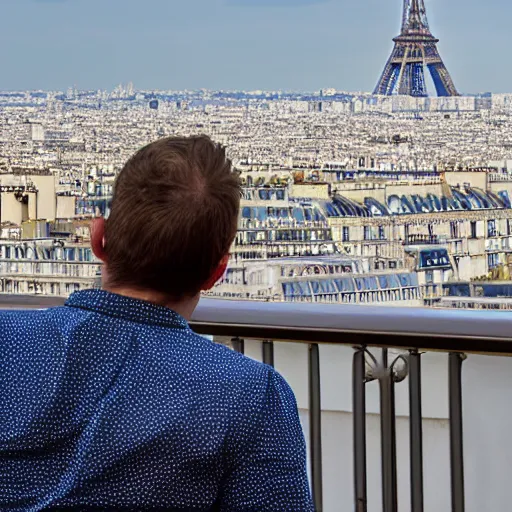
point(20, 317)
point(34, 315)
point(226, 358)
point(234, 368)
point(34, 322)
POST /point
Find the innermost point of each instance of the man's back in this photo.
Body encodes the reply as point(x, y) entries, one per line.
point(114, 403)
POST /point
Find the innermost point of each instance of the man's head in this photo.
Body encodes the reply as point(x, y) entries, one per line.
point(173, 219)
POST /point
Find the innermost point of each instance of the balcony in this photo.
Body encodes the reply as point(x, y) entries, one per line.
point(424, 240)
point(403, 408)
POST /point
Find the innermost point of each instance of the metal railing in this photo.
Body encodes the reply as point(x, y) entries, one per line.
point(424, 240)
point(414, 330)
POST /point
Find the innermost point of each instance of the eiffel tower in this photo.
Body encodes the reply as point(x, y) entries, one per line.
point(415, 49)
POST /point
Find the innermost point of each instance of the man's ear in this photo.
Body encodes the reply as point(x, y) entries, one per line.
point(217, 274)
point(98, 238)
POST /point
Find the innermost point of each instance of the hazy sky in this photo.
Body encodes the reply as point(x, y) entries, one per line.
point(241, 44)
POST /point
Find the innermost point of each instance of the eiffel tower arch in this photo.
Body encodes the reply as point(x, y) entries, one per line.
point(415, 52)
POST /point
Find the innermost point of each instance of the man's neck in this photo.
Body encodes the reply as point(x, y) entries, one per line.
point(184, 307)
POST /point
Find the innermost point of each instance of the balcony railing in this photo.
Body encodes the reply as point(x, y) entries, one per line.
point(414, 330)
point(371, 332)
point(424, 240)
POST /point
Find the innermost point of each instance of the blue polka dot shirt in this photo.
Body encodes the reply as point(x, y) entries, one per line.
point(111, 403)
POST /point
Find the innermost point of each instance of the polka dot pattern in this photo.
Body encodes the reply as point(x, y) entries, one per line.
point(111, 403)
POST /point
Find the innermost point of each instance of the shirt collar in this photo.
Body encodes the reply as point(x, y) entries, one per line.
point(126, 308)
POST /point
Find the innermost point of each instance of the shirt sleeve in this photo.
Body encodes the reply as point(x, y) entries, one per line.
point(270, 473)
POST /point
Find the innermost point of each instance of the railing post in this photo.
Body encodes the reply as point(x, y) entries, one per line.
point(315, 426)
point(359, 417)
point(456, 431)
point(238, 345)
point(268, 352)
point(416, 431)
point(388, 436)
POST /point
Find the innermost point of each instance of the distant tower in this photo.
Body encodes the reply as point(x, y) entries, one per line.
point(415, 49)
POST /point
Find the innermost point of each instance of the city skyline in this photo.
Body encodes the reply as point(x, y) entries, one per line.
point(280, 45)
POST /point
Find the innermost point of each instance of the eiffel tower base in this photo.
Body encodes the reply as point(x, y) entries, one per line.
point(405, 70)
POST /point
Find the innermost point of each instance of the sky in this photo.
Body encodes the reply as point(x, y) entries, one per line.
point(302, 45)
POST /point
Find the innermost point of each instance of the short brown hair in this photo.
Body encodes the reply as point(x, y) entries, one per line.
point(174, 216)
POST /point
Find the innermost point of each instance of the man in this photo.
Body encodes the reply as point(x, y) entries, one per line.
point(111, 402)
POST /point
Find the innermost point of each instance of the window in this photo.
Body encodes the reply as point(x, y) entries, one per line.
point(382, 233)
point(454, 229)
point(367, 233)
point(493, 260)
point(491, 228)
point(429, 277)
point(473, 229)
point(346, 234)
